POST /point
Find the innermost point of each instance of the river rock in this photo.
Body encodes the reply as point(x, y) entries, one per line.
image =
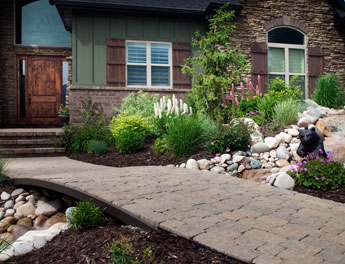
point(6, 222)
point(52, 207)
point(293, 132)
point(22, 247)
point(17, 230)
point(192, 164)
point(284, 181)
point(17, 204)
point(260, 148)
point(241, 168)
point(233, 167)
point(17, 192)
point(57, 218)
point(255, 136)
point(27, 222)
point(283, 153)
point(323, 128)
point(8, 204)
point(271, 142)
point(336, 144)
point(256, 164)
point(314, 112)
point(9, 212)
point(304, 122)
point(7, 236)
point(218, 169)
point(183, 166)
point(20, 198)
point(40, 221)
point(203, 164)
point(237, 159)
point(26, 209)
point(287, 138)
point(225, 157)
point(5, 196)
point(256, 175)
point(282, 163)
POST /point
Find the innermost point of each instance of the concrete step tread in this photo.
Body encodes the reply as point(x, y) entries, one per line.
point(31, 150)
point(30, 132)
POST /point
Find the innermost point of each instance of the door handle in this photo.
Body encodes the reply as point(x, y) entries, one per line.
point(29, 99)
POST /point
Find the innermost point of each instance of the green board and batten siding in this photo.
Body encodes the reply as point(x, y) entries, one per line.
point(91, 31)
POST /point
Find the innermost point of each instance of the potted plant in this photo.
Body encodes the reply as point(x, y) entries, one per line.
point(64, 113)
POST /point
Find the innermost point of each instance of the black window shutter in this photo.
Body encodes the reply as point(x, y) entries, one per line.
point(315, 67)
point(116, 62)
point(181, 51)
point(259, 63)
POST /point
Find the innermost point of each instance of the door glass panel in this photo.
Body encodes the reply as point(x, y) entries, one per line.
point(276, 60)
point(296, 61)
point(64, 80)
point(22, 88)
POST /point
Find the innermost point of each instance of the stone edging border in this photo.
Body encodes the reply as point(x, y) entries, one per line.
point(109, 208)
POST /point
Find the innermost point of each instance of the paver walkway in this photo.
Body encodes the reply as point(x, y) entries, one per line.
point(243, 219)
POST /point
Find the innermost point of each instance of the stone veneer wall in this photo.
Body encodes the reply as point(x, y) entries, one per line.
point(7, 64)
point(315, 15)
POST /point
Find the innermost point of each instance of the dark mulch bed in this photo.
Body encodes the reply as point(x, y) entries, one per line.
point(337, 195)
point(78, 247)
point(145, 157)
point(270, 129)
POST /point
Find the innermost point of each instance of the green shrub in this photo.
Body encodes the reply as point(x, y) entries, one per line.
point(86, 215)
point(285, 113)
point(129, 141)
point(184, 135)
point(328, 92)
point(97, 147)
point(277, 85)
point(319, 173)
point(161, 145)
point(266, 105)
point(230, 137)
point(140, 104)
point(135, 123)
point(92, 127)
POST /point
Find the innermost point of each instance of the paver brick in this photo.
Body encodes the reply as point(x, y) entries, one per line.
point(243, 219)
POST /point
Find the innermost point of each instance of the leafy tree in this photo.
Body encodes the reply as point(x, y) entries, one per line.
point(218, 65)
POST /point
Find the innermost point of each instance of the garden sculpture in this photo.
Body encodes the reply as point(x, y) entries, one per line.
point(311, 142)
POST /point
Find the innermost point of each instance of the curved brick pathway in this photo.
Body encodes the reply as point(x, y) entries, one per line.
point(246, 220)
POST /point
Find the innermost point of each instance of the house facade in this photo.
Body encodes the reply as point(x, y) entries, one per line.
point(118, 47)
point(34, 47)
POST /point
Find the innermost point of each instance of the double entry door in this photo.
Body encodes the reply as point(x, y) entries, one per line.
point(39, 81)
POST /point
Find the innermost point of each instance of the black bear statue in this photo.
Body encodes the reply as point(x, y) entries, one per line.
point(311, 142)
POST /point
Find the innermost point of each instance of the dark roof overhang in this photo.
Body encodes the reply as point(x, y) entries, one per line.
point(66, 8)
point(339, 12)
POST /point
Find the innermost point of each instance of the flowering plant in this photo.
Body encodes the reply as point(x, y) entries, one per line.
point(319, 172)
point(64, 110)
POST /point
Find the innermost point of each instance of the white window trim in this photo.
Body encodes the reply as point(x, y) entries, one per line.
point(287, 47)
point(149, 65)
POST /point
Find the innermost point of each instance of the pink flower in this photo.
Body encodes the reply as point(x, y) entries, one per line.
point(301, 169)
point(223, 105)
point(305, 169)
point(227, 150)
point(321, 160)
point(323, 178)
point(237, 103)
point(305, 162)
point(328, 161)
point(292, 168)
point(317, 156)
point(299, 163)
point(320, 150)
point(212, 143)
point(316, 178)
point(217, 154)
point(248, 146)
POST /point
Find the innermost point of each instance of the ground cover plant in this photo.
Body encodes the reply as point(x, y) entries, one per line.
point(319, 172)
point(328, 92)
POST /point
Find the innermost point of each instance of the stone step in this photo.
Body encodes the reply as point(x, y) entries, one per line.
point(31, 143)
point(32, 152)
point(27, 133)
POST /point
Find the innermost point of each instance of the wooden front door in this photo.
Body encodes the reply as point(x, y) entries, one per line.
point(43, 90)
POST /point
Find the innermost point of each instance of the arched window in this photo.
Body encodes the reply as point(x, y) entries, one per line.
point(286, 55)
